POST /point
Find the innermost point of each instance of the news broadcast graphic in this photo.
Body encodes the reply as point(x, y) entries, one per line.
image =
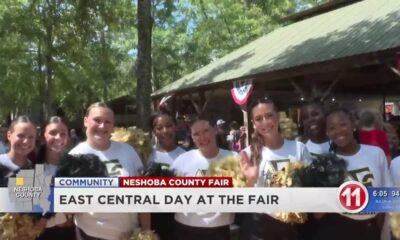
point(29, 191)
point(383, 200)
point(179, 182)
point(196, 200)
point(81, 182)
point(353, 196)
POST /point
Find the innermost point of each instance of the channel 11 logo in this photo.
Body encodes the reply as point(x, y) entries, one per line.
point(353, 196)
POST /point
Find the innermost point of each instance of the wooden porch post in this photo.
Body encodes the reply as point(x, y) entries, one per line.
point(246, 123)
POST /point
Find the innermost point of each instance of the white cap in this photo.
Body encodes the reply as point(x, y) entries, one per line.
point(220, 122)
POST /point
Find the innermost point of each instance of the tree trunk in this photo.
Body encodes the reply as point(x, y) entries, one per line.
point(104, 70)
point(143, 64)
point(48, 61)
point(40, 77)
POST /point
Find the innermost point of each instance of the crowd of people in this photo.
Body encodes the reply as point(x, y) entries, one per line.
point(362, 140)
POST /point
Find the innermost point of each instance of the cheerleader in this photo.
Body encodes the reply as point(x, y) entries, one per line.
point(267, 153)
point(313, 120)
point(199, 226)
point(366, 164)
point(55, 142)
point(22, 138)
point(121, 160)
point(165, 152)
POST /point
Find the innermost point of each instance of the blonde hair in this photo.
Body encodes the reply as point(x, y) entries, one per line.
point(96, 105)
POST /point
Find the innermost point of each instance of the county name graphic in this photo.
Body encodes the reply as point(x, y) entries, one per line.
point(30, 190)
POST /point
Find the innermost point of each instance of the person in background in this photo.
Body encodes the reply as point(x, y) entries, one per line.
point(243, 137)
point(221, 136)
point(313, 120)
point(392, 139)
point(371, 135)
point(55, 143)
point(165, 153)
point(200, 226)
point(121, 160)
point(183, 133)
point(234, 137)
point(268, 153)
point(74, 137)
point(366, 164)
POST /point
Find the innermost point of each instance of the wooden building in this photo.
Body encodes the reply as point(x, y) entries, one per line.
point(350, 54)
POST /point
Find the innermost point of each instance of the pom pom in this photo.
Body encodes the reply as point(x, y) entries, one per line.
point(228, 167)
point(14, 226)
point(144, 235)
point(81, 165)
point(325, 171)
point(137, 138)
point(158, 170)
point(395, 224)
point(288, 128)
point(288, 177)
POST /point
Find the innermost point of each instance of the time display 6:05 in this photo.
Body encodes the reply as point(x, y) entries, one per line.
point(386, 193)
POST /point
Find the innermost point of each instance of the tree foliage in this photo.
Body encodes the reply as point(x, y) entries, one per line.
point(67, 54)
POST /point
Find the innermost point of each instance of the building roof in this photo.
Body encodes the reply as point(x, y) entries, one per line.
point(318, 9)
point(364, 27)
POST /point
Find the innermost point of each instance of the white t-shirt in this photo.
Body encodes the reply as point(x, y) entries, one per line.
point(3, 148)
point(317, 148)
point(275, 160)
point(50, 169)
point(395, 171)
point(166, 158)
point(121, 160)
point(7, 162)
point(191, 164)
point(368, 166)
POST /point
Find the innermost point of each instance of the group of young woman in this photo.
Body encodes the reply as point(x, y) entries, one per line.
point(325, 132)
point(267, 153)
point(332, 131)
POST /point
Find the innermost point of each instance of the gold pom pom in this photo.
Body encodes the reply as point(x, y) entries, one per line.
point(291, 217)
point(228, 167)
point(14, 226)
point(144, 235)
point(284, 178)
point(287, 127)
point(137, 138)
point(395, 224)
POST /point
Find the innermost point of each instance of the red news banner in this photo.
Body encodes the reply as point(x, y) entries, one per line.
point(175, 182)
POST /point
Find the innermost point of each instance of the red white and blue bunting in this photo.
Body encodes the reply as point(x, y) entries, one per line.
point(241, 91)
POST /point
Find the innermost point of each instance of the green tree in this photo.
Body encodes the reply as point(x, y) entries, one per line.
point(144, 63)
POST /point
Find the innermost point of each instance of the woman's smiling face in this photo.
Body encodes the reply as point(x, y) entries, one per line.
point(265, 119)
point(339, 128)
